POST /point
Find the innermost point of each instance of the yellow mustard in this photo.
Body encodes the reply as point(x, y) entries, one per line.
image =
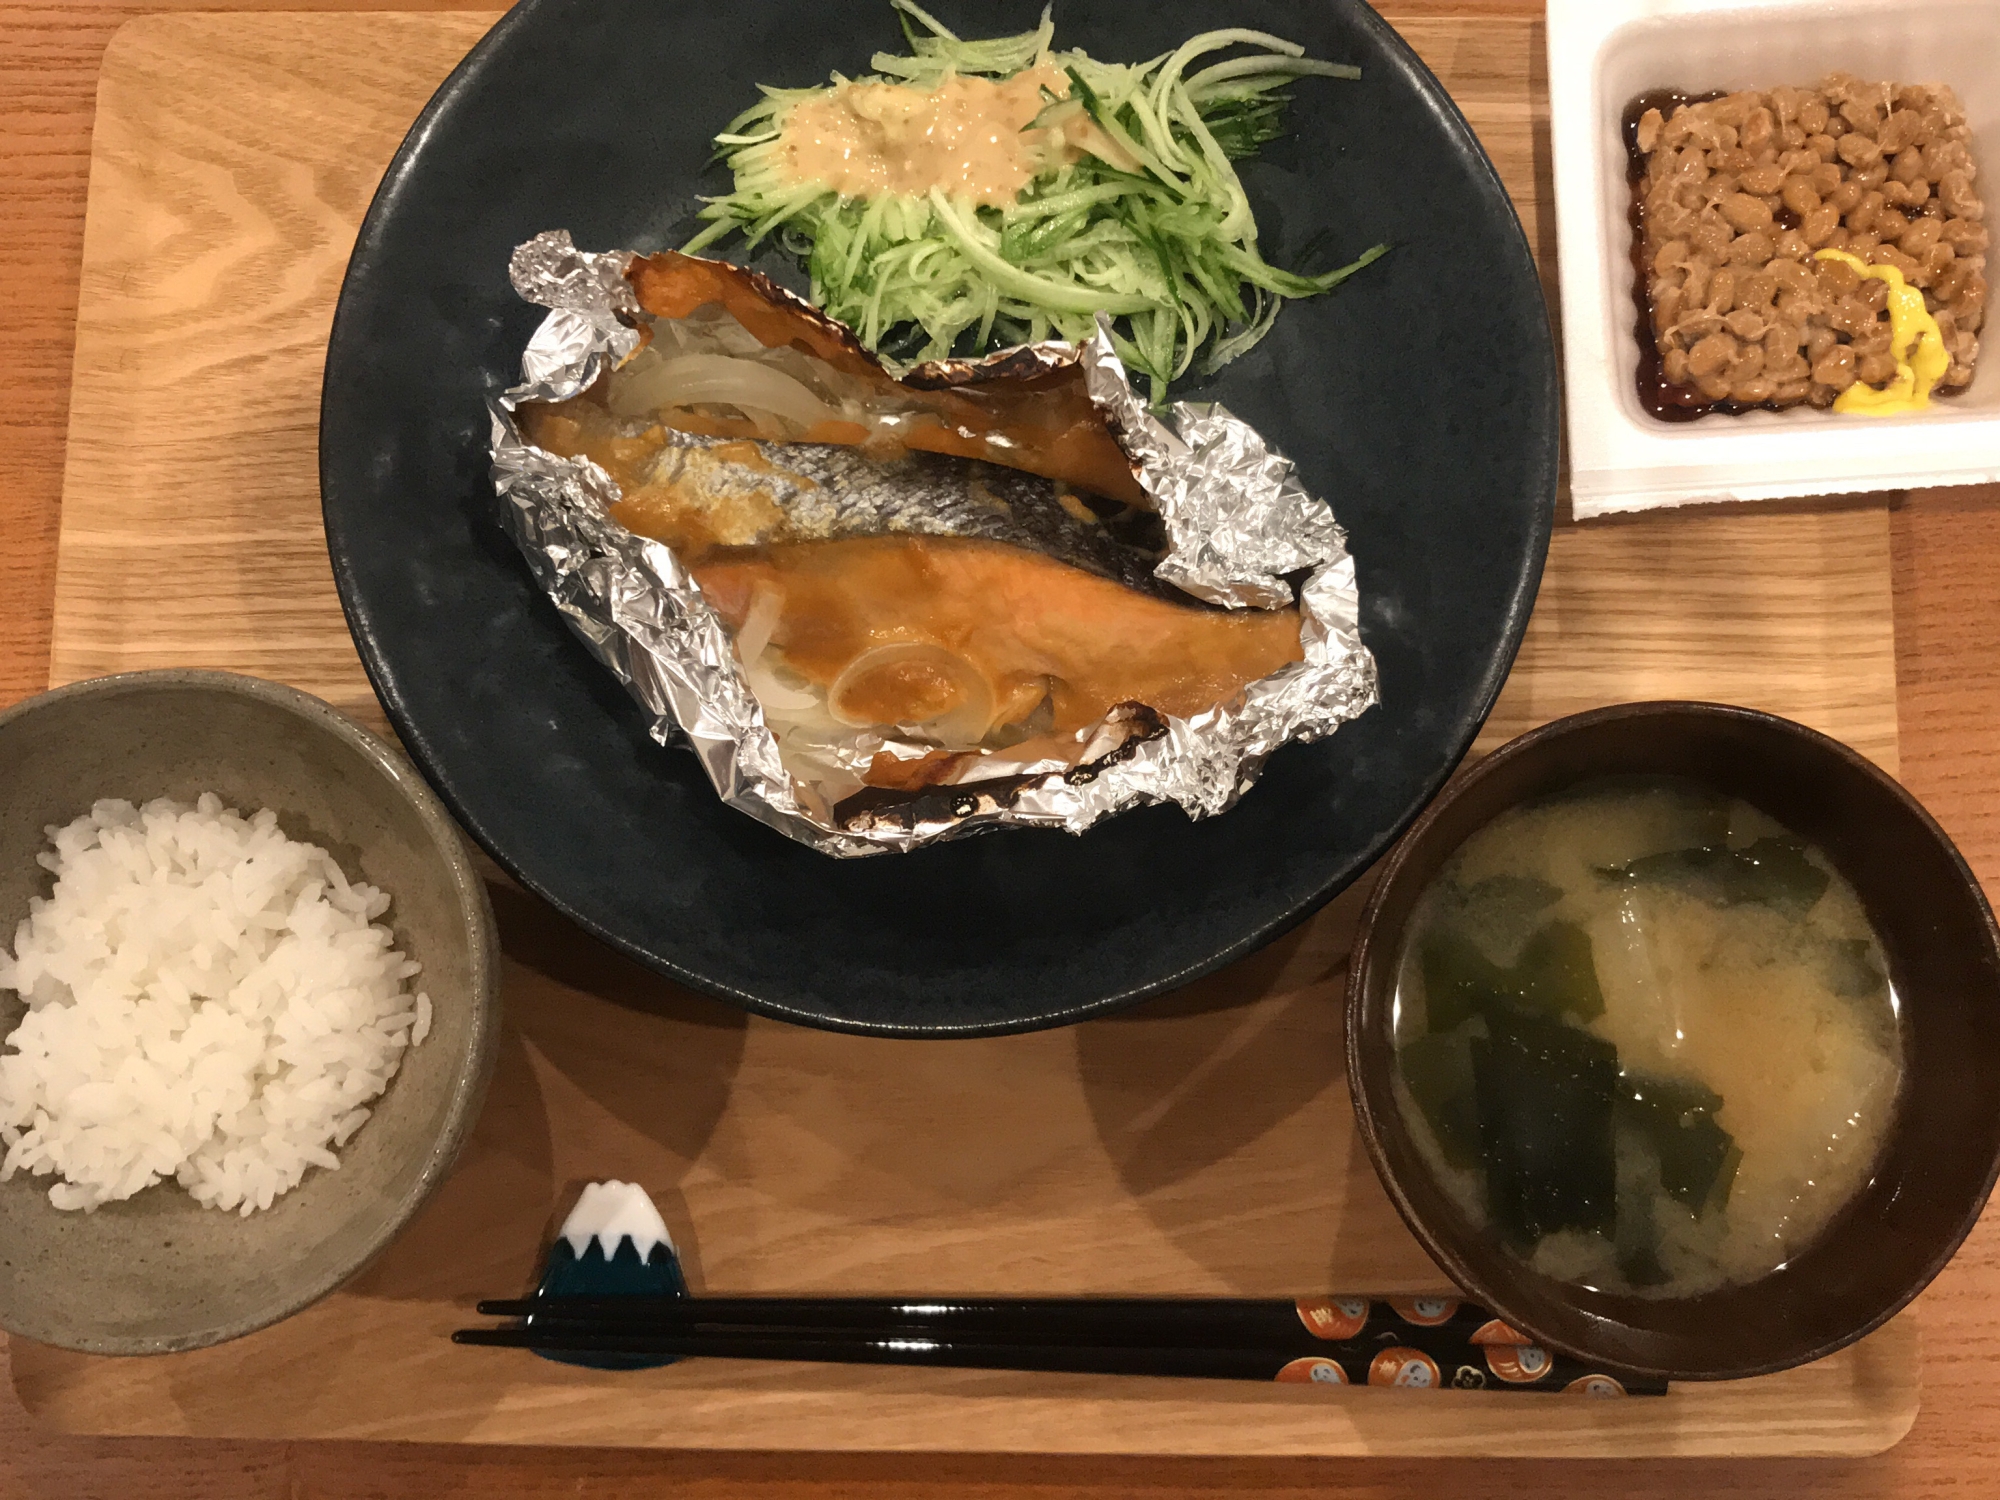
point(1909, 323)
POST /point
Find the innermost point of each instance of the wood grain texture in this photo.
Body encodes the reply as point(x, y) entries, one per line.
point(230, 169)
point(1947, 548)
point(49, 57)
point(1130, 1148)
point(1202, 1145)
point(1785, 609)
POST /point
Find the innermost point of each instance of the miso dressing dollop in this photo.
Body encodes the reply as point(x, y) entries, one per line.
point(1648, 1035)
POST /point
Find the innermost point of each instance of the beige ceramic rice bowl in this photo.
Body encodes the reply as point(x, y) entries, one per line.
point(157, 1271)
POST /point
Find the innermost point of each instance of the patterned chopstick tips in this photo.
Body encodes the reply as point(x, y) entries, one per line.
point(613, 1244)
point(1432, 1342)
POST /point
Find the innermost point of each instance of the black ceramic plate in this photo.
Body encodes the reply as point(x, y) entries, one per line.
point(1420, 400)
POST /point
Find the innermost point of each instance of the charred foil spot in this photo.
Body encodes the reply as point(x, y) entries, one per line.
point(874, 810)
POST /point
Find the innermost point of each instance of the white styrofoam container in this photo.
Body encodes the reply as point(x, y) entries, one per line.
point(1602, 54)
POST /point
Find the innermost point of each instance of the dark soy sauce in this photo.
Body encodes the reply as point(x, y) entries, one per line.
point(1660, 396)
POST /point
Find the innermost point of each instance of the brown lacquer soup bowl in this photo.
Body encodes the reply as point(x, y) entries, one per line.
point(1937, 1162)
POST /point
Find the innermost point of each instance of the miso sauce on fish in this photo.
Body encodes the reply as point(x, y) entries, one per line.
point(968, 646)
point(1647, 1035)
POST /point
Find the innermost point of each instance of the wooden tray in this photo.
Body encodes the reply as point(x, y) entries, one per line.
point(1199, 1144)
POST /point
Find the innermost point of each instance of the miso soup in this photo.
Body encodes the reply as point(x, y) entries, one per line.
point(1646, 1034)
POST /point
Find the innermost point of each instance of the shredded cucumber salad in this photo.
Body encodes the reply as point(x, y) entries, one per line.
point(1169, 250)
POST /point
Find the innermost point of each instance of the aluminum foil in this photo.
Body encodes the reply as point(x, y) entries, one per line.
point(1237, 520)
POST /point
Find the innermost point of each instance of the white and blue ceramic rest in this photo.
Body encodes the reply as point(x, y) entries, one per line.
point(613, 1244)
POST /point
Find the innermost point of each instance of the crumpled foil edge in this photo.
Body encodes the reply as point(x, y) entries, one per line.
point(1237, 522)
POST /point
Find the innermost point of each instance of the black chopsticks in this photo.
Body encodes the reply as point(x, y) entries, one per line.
point(845, 1346)
point(1120, 1321)
point(1420, 1342)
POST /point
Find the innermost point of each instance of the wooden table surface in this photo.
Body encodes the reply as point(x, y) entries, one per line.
point(1946, 554)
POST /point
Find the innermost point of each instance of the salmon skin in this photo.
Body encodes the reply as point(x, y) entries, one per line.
point(698, 493)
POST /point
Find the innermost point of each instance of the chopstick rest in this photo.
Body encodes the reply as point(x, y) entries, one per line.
point(613, 1244)
point(631, 1309)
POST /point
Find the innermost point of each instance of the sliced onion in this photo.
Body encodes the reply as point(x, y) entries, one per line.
point(647, 386)
point(766, 605)
point(965, 722)
point(778, 700)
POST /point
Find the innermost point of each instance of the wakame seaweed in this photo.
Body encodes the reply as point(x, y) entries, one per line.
point(1773, 872)
point(1610, 998)
point(1437, 1070)
point(1637, 1243)
point(1545, 1093)
point(1538, 1102)
point(1554, 975)
point(1501, 901)
point(1677, 1118)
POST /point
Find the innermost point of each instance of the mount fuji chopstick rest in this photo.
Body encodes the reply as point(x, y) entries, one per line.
point(613, 1297)
point(613, 1244)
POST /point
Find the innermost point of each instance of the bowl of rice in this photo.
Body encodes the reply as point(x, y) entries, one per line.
point(248, 1007)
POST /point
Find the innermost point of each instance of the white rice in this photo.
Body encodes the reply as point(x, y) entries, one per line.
point(208, 1000)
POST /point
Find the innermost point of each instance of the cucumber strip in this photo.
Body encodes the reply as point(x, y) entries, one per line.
point(1264, 69)
point(1168, 249)
point(1050, 294)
